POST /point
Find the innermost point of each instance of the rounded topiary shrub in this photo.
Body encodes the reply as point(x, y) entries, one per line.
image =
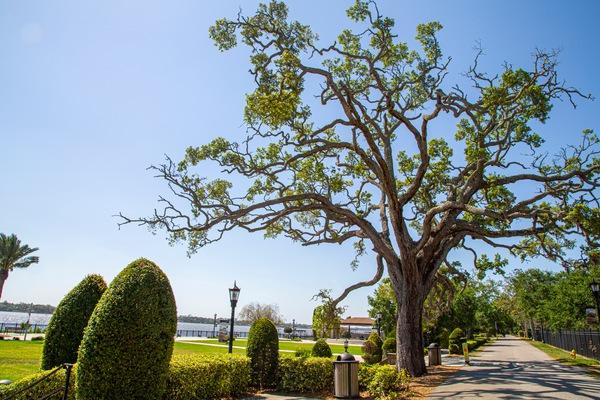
point(321, 349)
point(389, 345)
point(375, 338)
point(263, 350)
point(65, 329)
point(453, 348)
point(128, 342)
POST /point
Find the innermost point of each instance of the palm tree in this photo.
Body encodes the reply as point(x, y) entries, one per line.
point(13, 255)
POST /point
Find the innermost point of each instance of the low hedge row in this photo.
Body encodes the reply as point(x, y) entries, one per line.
point(53, 383)
point(190, 377)
point(305, 375)
point(200, 377)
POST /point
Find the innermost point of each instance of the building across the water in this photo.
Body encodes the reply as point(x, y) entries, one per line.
point(358, 327)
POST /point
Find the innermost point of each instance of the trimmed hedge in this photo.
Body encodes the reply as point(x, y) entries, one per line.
point(263, 350)
point(198, 377)
point(55, 382)
point(305, 375)
point(321, 349)
point(128, 342)
point(190, 377)
point(65, 329)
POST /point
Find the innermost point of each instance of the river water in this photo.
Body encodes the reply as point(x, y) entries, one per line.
point(8, 317)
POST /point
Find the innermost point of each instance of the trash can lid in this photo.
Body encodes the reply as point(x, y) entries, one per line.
point(433, 345)
point(345, 356)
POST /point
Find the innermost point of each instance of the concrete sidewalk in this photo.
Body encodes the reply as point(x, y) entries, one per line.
point(511, 368)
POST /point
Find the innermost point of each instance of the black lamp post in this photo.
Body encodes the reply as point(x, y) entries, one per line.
point(234, 295)
point(595, 286)
point(378, 316)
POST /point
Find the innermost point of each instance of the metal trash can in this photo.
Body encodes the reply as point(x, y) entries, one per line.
point(345, 375)
point(435, 354)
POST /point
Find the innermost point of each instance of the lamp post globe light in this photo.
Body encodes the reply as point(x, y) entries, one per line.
point(595, 286)
point(234, 295)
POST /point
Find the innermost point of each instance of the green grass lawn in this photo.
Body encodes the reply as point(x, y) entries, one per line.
point(593, 366)
point(288, 345)
point(19, 359)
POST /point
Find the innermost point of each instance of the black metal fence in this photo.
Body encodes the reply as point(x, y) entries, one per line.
point(214, 334)
point(584, 342)
point(15, 327)
point(60, 392)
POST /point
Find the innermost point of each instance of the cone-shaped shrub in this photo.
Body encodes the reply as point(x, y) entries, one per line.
point(65, 329)
point(263, 350)
point(128, 342)
point(321, 349)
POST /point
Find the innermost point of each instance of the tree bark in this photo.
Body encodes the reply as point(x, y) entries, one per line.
point(3, 277)
point(410, 295)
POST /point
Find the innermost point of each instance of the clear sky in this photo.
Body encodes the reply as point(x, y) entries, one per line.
point(91, 93)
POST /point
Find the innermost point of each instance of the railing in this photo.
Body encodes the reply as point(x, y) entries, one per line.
point(584, 342)
point(214, 334)
point(16, 327)
point(64, 390)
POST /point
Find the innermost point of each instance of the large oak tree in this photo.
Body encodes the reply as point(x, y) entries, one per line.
point(341, 147)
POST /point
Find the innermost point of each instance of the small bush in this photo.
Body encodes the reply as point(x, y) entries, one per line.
point(389, 345)
point(346, 334)
point(53, 383)
point(365, 375)
point(387, 382)
point(455, 341)
point(321, 349)
point(37, 338)
point(263, 350)
point(127, 345)
point(305, 375)
point(65, 329)
point(200, 376)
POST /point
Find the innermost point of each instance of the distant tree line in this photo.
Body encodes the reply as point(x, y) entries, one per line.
point(25, 307)
point(552, 300)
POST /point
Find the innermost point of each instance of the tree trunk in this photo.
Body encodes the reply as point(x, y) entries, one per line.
point(3, 277)
point(409, 331)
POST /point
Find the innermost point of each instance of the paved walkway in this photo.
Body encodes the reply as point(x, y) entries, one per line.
point(511, 368)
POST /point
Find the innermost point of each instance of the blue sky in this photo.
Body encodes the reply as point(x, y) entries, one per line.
point(94, 92)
